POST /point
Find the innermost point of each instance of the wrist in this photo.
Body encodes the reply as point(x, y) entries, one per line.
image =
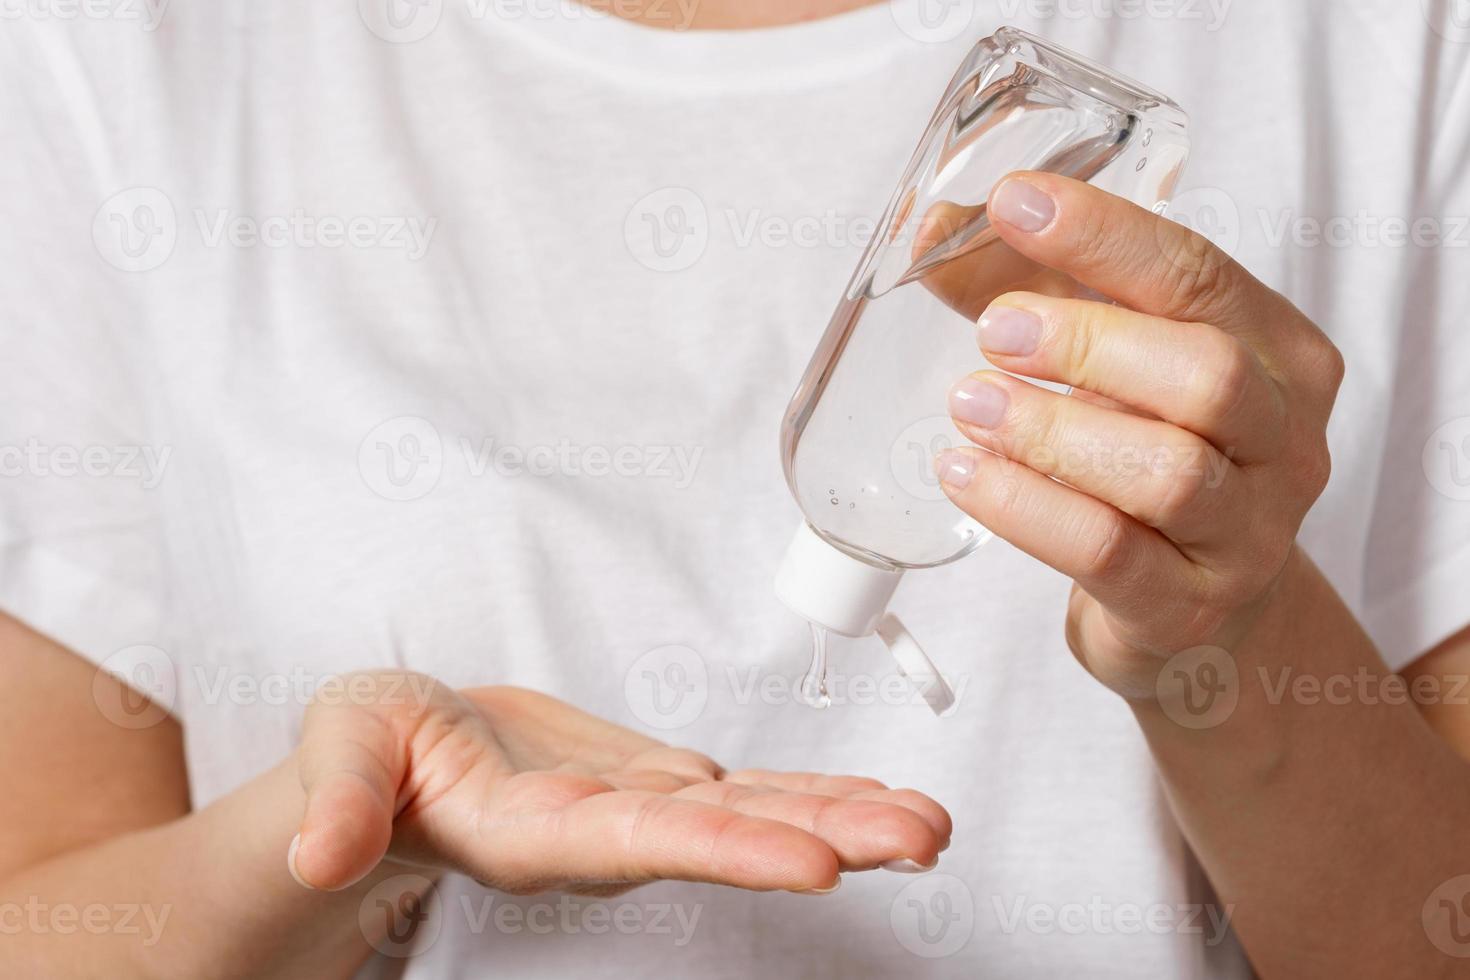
point(1298, 631)
point(1200, 660)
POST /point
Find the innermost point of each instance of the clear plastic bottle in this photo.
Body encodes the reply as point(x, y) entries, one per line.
point(870, 413)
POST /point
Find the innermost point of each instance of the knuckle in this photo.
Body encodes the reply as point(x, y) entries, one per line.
point(1223, 377)
point(1047, 431)
point(1184, 491)
point(1083, 336)
point(1332, 367)
point(1110, 547)
point(1005, 497)
point(1199, 277)
point(1093, 242)
point(1316, 469)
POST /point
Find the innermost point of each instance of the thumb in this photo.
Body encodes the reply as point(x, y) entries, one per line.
point(351, 765)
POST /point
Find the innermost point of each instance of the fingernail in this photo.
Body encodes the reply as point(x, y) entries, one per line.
point(978, 403)
point(955, 469)
point(1007, 330)
point(905, 866)
point(1023, 205)
point(291, 862)
point(823, 891)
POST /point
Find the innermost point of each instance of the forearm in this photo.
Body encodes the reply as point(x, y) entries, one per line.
point(1324, 816)
point(208, 895)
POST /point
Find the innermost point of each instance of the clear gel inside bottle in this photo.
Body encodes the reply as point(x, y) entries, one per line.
point(870, 414)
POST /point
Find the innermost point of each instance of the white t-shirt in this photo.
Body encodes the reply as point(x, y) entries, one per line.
point(458, 340)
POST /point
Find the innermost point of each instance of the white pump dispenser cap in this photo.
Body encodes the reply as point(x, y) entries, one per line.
point(850, 597)
point(831, 588)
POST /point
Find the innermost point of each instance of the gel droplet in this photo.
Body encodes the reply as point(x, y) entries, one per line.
point(814, 685)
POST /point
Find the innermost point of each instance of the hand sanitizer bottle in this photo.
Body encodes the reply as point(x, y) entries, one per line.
point(870, 413)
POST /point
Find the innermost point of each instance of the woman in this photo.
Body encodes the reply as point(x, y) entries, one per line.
point(424, 349)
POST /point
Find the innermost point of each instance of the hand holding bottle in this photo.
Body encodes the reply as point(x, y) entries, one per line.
point(1171, 486)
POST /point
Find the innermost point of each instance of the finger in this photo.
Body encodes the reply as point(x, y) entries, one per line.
point(1103, 401)
point(864, 833)
point(970, 282)
point(1191, 374)
point(805, 782)
point(1141, 259)
point(692, 766)
point(1120, 562)
point(850, 787)
point(1158, 473)
point(543, 830)
point(351, 765)
point(648, 780)
point(535, 729)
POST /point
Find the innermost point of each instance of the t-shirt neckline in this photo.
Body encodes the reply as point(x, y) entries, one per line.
point(850, 43)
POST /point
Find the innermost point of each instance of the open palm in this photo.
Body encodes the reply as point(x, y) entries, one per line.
point(525, 793)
